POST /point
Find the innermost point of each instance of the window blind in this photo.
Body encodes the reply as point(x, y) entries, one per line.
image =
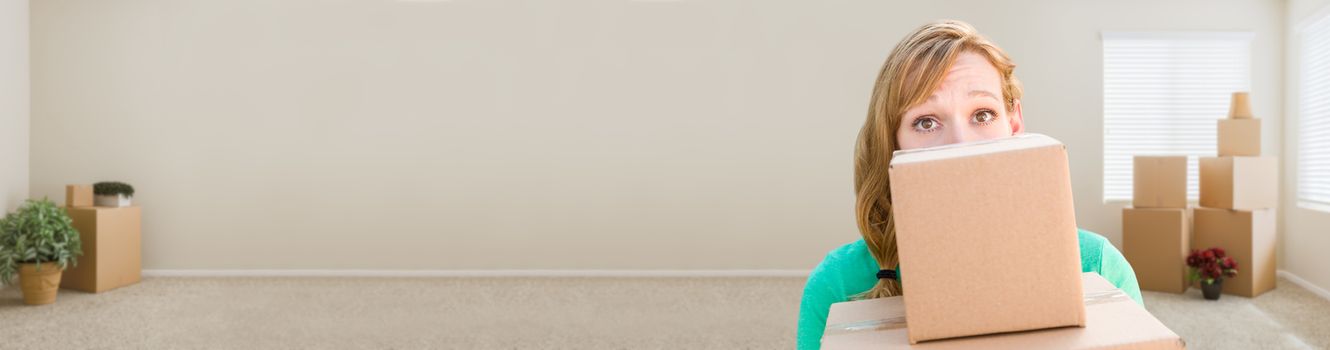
point(1163, 93)
point(1314, 115)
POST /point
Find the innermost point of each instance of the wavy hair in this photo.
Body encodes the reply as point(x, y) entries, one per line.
point(915, 68)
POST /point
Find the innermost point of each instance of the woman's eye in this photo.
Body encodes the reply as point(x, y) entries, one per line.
point(926, 124)
point(984, 116)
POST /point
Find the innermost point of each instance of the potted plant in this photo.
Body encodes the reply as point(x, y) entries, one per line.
point(1210, 266)
point(112, 194)
point(37, 242)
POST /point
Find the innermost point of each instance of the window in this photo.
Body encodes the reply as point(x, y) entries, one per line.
point(1314, 115)
point(1163, 93)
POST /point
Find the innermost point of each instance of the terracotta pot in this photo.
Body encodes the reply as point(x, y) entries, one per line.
point(39, 287)
point(1211, 291)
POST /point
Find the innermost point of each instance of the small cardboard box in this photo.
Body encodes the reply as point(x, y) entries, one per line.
point(112, 243)
point(1113, 321)
point(1240, 137)
point(78, 195)
point(987, 233)
point(1159, 182)
point(1239, 106)
point(1156, 242)
point(1242, 183)
point(1246, 235)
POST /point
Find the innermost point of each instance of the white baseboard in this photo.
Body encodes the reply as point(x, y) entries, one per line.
point(473, 273)
point(1305, 284)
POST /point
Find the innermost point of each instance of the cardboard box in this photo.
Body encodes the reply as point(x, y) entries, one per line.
point(1159, 182)
point(1156, 242)
point(1246, 235)
point(1239, 137)
point(986, 233)
point(1113, 321)
point(78, 195)
point(1242, 183)
point(1239, 107)
point(112, 243)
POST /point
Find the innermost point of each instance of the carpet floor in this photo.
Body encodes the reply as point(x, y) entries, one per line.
point(532, 313)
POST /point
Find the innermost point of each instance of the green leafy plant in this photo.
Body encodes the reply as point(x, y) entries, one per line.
point(38, 232)
point(112, 188)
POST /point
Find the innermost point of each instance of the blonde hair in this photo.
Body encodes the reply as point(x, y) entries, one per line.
point(911, 73)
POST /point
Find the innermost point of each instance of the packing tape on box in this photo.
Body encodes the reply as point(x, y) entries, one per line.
point(1092, 298)
point(1104, 297)
point(870, 325)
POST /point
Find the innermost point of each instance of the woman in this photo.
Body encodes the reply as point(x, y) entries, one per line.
point(942, 84)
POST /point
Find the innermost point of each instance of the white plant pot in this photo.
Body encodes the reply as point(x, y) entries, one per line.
point(111, 201)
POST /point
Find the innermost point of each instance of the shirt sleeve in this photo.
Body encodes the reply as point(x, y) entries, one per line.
point(820, 291)
point(1115, 268)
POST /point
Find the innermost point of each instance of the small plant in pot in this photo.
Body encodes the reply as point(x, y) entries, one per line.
point(1211, 266)
point(37, 243)
point(112, 194)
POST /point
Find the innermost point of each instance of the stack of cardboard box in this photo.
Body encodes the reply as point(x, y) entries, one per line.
point(111, 243)
point(1239, 195)
point(1237, 208)
point(1113, 321)
point(990, 259)
point(1155, 235)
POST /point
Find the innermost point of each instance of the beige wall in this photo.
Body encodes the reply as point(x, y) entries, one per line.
point(1306, 232)
point(13, 104)
point(530, 135)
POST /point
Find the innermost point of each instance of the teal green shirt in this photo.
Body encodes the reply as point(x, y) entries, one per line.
point(851, 270)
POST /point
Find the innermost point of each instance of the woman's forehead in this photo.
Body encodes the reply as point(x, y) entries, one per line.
point(971, 72)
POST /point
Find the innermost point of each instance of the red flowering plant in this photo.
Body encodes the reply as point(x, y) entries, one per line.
point(1210, 265)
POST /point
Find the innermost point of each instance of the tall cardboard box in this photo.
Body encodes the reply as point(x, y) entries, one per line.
point(1239, 137)
point(987, 234)
point(112, 243)
point(1159, 182)
point(1246, 235)
point(1243, 183)
point(1113, 321)
point(1239, 107)
point(78, 195)
point(1156, 242)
